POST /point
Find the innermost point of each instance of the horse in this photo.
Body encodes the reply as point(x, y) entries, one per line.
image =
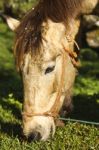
point(45, 57)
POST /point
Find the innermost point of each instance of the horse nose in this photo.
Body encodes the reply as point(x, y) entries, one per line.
point(34, 136)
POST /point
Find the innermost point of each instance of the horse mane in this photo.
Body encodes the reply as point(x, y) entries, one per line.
point(29, 32)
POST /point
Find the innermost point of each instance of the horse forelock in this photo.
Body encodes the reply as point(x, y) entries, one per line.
point(29, 33)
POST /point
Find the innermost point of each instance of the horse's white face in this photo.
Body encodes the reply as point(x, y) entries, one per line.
point(41, 80)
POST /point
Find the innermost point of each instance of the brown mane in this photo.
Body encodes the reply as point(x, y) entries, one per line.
point(29, 36)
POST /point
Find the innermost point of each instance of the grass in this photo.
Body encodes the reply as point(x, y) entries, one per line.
point(74, 136)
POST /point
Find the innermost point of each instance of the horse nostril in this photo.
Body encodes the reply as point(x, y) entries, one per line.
point(34, 136)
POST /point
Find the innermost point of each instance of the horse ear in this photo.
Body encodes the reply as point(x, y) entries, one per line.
point(12, 23)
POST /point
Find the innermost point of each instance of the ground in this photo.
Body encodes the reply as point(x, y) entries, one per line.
point(74, 136)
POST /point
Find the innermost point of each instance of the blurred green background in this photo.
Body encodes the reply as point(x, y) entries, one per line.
point(16, 7)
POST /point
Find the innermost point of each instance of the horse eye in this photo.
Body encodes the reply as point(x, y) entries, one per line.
point(49, 69)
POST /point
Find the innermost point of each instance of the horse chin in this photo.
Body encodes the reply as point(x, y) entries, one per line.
point(39, 128)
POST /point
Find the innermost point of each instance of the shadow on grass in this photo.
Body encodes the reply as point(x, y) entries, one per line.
point(11, 107)
point(86, 108)
point(11, 129)
point(10, 82)
point(90, 69)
